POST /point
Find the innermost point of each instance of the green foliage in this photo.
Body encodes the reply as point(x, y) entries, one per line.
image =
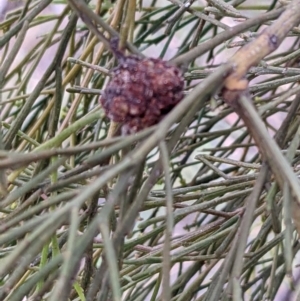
point(185, 210)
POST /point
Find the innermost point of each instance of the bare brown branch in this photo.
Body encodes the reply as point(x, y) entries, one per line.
point(252, 53)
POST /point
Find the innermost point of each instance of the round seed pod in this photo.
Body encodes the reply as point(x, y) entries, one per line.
point(141, 92)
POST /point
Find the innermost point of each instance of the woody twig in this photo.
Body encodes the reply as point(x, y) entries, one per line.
point(252, 53)
point(235, 93)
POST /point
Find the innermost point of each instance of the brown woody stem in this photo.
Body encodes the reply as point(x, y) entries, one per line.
point(252, 53)
point(236, 95)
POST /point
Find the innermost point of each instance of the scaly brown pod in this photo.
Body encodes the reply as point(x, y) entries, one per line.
point(141, 91)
